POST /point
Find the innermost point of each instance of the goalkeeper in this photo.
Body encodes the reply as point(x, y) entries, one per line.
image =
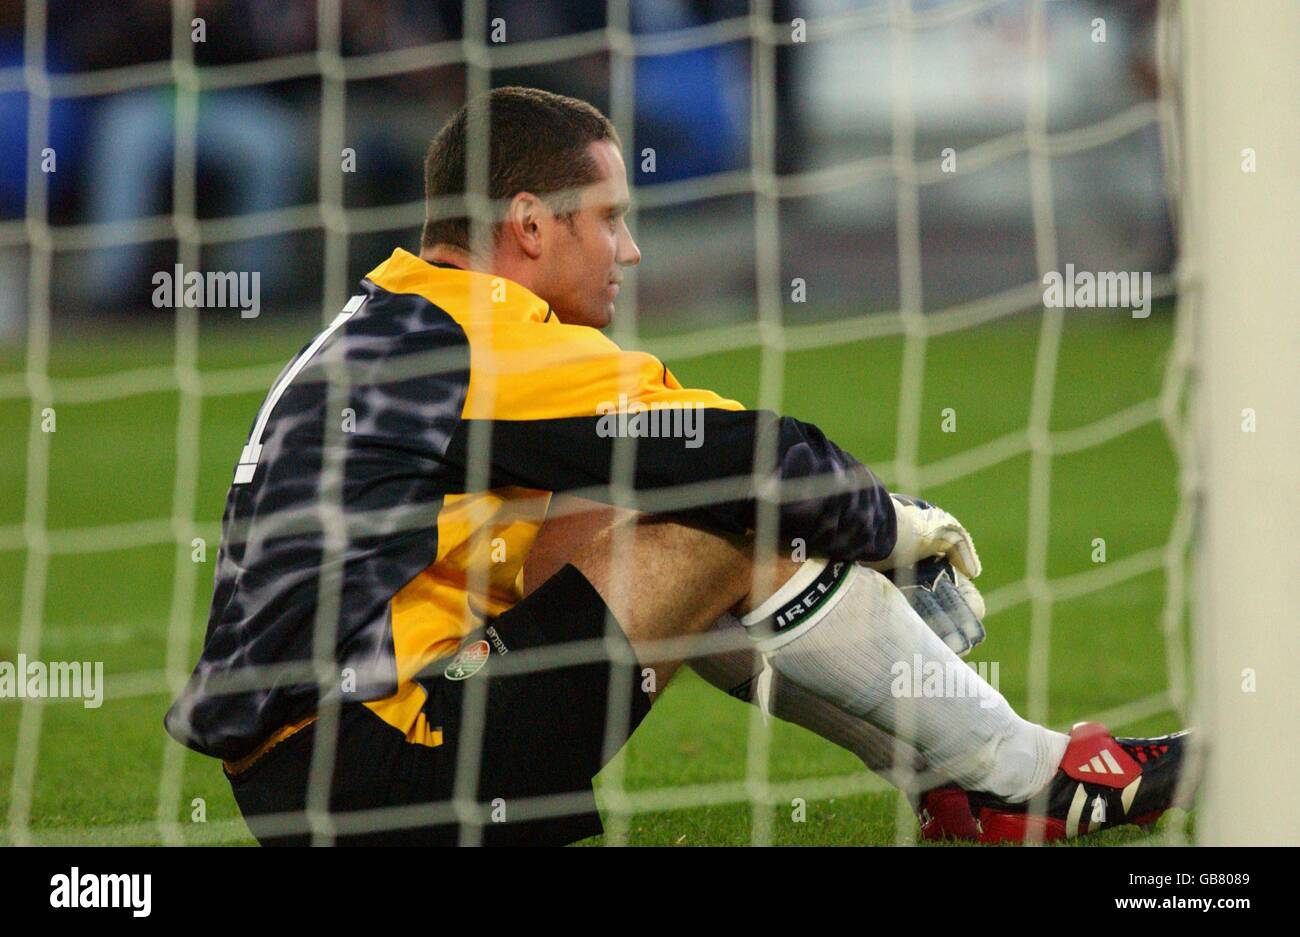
point(472, 383)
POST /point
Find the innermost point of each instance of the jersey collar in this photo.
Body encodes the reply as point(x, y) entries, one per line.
point(459, 292)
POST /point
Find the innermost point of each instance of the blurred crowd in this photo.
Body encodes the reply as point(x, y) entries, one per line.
point(258, 143)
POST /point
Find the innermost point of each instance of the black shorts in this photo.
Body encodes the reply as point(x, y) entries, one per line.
point(538, 736)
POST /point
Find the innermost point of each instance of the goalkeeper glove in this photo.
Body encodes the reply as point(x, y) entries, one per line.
point(924, 531)
point(946, 601)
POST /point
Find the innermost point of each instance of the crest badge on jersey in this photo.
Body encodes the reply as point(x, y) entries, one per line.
point(468, 661)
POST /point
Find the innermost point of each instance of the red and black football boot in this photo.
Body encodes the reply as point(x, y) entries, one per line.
point(1102, 782)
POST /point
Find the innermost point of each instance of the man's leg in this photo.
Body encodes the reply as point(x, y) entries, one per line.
point(667, 580)
point(736, 674)
point(873, 656)
point(664, 581)
point(573, 522)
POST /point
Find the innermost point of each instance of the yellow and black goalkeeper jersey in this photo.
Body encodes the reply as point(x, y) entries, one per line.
point(398, 471)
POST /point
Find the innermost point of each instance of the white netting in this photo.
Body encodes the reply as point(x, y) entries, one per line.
point(904, 168)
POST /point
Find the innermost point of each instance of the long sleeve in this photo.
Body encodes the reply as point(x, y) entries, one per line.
point(553, 420)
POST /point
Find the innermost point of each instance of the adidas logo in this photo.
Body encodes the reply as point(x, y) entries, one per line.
point(1103, 763)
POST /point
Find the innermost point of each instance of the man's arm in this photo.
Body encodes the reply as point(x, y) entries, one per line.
point(827, 498)
point(548, 395)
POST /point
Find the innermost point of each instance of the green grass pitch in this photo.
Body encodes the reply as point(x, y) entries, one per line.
point(97, 776)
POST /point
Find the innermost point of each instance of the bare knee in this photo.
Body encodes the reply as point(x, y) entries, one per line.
point(659, 576)
point(662, 578)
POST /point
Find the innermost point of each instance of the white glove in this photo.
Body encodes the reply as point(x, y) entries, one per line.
point(970, 595)
point(946, 601)
point(924, 531)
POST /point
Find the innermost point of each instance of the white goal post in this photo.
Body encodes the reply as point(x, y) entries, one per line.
point(1242, 213)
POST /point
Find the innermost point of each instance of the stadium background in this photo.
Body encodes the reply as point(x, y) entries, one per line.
point(816, 160)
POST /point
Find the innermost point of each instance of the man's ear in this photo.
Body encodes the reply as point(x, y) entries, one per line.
point(523, 223)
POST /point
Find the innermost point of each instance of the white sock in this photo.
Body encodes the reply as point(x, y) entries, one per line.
point(862, 647)
point(736, 672)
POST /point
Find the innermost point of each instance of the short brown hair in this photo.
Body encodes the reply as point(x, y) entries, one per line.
point(537, 142)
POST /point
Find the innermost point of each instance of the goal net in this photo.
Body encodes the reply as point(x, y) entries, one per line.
point(947, 231)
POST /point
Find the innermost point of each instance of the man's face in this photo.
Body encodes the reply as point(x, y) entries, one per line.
point(582, 262)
